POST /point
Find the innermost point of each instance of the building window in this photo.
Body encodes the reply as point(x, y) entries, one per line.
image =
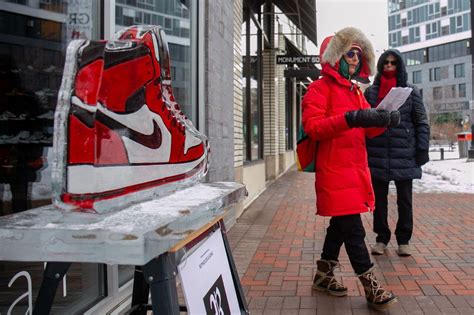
point(252, 90)
point(417, 77)
point(31, 67)
point(432, 30)
point(435, 74)
point(462, 90)
point(459, 70)
point(444, 11)
point(445, 30)
point(438, 93)
point(181, 46)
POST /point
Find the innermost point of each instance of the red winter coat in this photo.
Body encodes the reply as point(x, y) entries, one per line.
point(343, 184)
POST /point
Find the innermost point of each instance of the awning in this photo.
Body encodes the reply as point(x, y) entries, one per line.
point(301, 12)
point(308, 71)
point(292, 50)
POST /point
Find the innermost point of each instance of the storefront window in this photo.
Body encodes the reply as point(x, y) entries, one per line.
point(251, 91)
point(175, 19)
point(33, 41)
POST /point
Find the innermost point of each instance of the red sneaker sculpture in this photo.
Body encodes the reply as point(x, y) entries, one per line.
point(120, 137)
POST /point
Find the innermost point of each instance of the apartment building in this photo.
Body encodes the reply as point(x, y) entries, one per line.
point(435, 38)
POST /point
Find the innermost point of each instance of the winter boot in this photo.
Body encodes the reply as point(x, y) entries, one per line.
point(324, 279)
point(376, 296)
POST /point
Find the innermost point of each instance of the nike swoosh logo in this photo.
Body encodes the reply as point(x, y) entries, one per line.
point(132, 126)
point(152, 140)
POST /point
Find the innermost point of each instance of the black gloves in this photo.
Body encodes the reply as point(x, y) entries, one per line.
point(372, 117)
point(422, 157)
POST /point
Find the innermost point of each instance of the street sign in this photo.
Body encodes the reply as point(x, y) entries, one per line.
point(297, 60)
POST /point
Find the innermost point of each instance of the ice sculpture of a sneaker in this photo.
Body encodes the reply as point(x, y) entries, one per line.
point(120, 137)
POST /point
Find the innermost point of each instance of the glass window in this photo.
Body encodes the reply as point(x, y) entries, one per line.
point(445, 30)
point(462, 89)
point(417, 76)
point(437, 74)
point(32, 55)
point(459, 70)
point(251, 85)
point(176, 28)
point(289, 125)
point(444, 11)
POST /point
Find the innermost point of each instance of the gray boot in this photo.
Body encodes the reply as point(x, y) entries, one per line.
point(324, 279)
point(376, 296)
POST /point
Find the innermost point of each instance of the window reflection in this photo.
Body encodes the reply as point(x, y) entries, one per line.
point(33, 42)
point(175, 19)
point(251, 91)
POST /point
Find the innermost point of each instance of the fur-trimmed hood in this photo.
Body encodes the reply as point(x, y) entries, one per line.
point(334, 47)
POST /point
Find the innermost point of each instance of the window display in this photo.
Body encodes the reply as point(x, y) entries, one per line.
point(34, 37)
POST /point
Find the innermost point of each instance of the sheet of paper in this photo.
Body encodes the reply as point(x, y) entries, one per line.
point(395, 98)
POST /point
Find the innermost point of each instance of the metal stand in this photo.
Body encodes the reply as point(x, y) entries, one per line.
point(157, 277)
point(53, 274)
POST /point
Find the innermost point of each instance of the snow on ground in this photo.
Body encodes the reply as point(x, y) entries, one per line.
point(451, 175)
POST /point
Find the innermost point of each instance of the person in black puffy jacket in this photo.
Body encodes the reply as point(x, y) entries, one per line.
point(397, 154)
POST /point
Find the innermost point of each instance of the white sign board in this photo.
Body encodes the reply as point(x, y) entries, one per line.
point(207, 280)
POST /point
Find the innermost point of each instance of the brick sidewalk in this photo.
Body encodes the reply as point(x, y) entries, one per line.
point(277, 241)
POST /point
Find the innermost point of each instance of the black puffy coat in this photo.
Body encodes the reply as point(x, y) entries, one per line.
point(398, 153)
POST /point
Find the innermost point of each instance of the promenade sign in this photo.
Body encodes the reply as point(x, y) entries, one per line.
point(297, 60)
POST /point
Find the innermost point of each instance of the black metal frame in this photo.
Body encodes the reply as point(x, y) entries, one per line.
point(157, 276)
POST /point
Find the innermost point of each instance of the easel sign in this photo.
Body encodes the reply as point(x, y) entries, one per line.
point(207, 278)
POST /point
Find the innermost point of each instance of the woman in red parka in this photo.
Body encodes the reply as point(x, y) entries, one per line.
point(337, 116)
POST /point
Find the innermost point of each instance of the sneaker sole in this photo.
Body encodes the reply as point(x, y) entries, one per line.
point(334, 293)
point(383, 306)
point(403, 254)
point(377, 253)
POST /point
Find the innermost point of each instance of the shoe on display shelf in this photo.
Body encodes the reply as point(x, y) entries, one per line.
point(120, 137)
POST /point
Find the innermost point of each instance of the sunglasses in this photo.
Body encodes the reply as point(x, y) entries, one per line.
point(392, 62)
point(352, 53)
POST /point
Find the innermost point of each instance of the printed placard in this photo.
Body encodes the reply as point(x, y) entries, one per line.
point(207, 281)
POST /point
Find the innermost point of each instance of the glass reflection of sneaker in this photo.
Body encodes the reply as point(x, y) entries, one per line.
point(120, 136)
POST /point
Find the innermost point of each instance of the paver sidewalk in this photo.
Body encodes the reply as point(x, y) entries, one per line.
point(277, 241)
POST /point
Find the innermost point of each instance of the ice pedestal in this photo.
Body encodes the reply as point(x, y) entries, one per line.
point(132, 236)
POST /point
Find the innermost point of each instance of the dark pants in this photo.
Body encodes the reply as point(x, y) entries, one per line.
point(404, 227)
point(347, 230)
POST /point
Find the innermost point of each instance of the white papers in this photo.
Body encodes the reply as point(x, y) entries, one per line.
point(395, 98)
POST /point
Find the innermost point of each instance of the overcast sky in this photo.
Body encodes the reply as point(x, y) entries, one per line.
point(370, 16)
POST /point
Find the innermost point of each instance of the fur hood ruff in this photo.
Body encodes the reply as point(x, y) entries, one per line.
point(342, 41)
